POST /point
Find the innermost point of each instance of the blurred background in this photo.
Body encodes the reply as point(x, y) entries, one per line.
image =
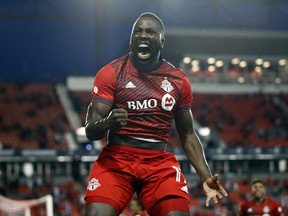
point(235, 54)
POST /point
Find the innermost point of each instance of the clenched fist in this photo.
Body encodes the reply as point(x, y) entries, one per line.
point(117, 118)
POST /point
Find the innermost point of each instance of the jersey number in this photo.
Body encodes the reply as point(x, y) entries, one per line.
point(178, 173)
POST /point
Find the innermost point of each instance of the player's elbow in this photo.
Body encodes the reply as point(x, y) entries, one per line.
point(93, 135)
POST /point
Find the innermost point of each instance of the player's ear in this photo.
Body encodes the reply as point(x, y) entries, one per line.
point(162, 41)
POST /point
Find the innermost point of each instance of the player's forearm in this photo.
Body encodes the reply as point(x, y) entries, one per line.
point(195, 154)
point(96, 129)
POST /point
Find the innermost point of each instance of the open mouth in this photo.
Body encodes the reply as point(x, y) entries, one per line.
point(143, 51)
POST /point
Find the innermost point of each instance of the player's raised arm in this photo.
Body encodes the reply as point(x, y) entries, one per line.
point(195, 153)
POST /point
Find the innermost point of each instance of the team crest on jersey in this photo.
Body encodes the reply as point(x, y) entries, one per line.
point(166, 85)
point(93, 184)
point(168, 102)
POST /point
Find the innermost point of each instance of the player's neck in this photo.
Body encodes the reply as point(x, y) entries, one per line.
point(146, 66)
point(259, 199)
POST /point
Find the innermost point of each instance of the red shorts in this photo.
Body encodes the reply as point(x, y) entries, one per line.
point(120, 171)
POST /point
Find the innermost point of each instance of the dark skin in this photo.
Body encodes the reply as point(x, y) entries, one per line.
point(100, 118)
point(149, 32)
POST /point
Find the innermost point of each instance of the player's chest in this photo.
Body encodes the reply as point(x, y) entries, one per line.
point(147, 92)
point(260, 210)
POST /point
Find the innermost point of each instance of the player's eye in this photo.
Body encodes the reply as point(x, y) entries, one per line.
point(137, 30)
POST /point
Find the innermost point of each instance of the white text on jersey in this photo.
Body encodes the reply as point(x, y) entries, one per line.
point(145, 104)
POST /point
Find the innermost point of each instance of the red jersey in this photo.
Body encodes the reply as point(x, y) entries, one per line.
point(150, 98)
point(268, 207)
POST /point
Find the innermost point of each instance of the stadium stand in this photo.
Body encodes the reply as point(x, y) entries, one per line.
point(38, 120)
point(80, 100)
point(243, 119)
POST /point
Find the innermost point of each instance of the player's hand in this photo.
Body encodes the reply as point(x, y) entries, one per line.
point(117, 118)
point(213, 189)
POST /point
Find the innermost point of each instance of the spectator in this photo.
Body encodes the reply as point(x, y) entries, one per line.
point(260, 203)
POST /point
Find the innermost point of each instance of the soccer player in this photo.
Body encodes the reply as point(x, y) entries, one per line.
point(135, 99)
point(260, 203)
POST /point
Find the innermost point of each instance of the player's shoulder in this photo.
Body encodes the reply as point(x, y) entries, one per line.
point(273, 203)
point(170, 67)
point(272, 200)
point(119, 62)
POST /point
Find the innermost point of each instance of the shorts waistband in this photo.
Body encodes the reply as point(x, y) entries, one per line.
point(134, 143)
point(133, 150)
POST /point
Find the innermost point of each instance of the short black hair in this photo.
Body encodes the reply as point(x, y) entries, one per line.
point(257, 181)
point(154, 16)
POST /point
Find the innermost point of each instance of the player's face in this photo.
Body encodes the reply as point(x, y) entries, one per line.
point(146, 40)
point(258, 191)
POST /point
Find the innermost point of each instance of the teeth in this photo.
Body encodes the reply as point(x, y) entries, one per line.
point(143, 56)
point(143, 45)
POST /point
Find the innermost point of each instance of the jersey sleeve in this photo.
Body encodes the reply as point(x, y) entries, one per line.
point(186, 96)
point(104, 86)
